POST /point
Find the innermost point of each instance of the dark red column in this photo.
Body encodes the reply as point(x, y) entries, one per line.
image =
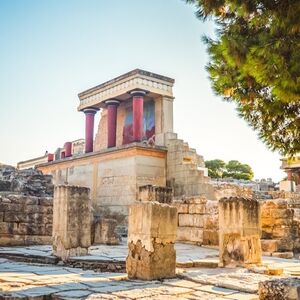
point(289, 175)
point(137, 114)
point(50, 157)
point(63, 154)
point(68, 149)
point(89, 128)
point(112, 109)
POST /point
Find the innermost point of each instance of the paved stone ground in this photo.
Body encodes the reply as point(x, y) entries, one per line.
point(185, 253)
point(19, 280)
point(29, 281)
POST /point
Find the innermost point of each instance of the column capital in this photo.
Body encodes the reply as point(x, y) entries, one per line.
point(90, 110)
point(138, 92)
point(112, 102)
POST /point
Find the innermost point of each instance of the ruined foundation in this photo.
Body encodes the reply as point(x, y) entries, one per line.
point(239, 231)
point(151, 237)
point(71, 221)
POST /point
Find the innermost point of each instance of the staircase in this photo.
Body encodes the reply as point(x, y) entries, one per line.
point(186, 170)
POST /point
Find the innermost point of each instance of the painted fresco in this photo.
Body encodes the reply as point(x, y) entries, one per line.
point(148, 123)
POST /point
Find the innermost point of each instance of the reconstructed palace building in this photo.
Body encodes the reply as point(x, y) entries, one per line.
point(134, 145)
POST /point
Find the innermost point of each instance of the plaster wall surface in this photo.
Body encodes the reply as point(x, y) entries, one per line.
point(112, 176)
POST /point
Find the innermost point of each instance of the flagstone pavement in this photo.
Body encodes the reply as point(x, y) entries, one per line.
point(19, 280)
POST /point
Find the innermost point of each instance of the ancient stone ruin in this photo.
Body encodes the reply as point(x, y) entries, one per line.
point(151, 238)
point(71, 221)
point(239, 231)
point(137, 178)
point(25, 207)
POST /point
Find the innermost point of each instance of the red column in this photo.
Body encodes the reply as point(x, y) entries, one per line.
point(63, 154)
point(68, 149)
point(289, 175)
point(112, 106)
point(89, 128)
point(50, 157)
point(137, 114)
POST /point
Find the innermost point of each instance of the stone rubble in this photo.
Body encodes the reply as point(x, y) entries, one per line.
point(27, 182)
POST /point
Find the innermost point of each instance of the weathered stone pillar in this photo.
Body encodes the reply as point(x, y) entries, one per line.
point(152, 230)
point(112, 106)
point(137, 114)
point(71, 221)
point(298, 177)
point(68, 149)
point(239, 231)
point(89, 128)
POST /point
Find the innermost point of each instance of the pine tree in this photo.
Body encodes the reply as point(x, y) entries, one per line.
point(255, 62)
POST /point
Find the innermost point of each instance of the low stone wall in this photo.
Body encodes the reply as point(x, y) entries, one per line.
point(226, 190)
point(25, 220)
point(197, 220)
point(281, 227)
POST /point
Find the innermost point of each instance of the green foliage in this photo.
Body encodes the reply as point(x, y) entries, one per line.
point(255, 62)
point(219, 169)
point(215, 167)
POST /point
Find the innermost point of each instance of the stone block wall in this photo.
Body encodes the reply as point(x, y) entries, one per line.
point(281, 227)
point(25, 220)
point(185, 170)
point(197, 220)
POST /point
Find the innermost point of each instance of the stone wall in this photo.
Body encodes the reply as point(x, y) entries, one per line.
point(225, 190)
point(197, 220)
point(186, 170)
point(27, 182)
point(281, 227)
point(113, 177)
point(25, 220)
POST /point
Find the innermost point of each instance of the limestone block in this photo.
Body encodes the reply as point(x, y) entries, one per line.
point(182, 208)
point(211, 222)
point(269, 245)
point(287, 186)
point(151, 237)
point(71, 221)
point(239, 231)
point(152, 220)
point(198, 220)
point(185, 220)
point(196, 208)
point(104, 232)
point(190, 234)
point(210, 237)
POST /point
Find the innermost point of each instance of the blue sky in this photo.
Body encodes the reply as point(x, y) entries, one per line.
point(52, 50)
